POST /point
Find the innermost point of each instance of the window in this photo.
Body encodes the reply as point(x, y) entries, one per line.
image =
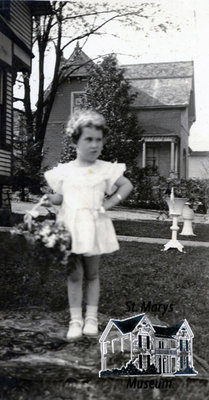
point(152, 156)
point(76, 101)
point(5, 8)
point(2, 105)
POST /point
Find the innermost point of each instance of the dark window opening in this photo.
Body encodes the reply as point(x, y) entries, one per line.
point(5, 8)
point(2, 106)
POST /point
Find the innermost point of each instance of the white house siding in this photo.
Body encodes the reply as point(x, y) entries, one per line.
point(199, 165)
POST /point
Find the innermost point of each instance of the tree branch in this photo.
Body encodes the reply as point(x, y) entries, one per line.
point(92, 31)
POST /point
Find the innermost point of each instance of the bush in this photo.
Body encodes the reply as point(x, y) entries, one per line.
point(150, 190)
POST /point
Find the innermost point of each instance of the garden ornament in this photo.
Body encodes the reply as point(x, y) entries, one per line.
point(188, 216)
point(175, 205)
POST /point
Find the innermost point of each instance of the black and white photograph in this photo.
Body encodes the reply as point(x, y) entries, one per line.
point(104, 199)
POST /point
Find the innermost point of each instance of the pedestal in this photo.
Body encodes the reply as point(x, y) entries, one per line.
point(174, 243)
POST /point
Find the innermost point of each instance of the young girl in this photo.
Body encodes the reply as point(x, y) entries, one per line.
point(80, 187)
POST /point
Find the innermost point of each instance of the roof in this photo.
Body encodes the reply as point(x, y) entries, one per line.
point(78, 64)
point(199, 153)
point(161, 84)
point(128, 325)
point(167, 331)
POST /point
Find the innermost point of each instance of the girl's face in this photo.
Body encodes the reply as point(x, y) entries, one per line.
point(90, 144)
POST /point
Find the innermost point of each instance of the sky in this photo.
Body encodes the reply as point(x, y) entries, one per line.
point(191, 42)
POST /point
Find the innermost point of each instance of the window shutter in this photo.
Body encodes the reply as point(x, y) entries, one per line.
point(140, 361)
point(148, 361)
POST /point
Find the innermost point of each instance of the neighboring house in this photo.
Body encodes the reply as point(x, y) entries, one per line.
point(199, 164)
point(74, 73)
point(15, 56)
point(164, 106)
point(136, 339)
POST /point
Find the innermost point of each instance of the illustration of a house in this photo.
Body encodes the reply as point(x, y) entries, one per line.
point(139, 343)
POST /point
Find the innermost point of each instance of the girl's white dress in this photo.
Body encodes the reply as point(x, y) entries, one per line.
point(83, 190)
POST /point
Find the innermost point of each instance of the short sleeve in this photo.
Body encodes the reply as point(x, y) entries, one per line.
point(115, 171)
point(54, 178)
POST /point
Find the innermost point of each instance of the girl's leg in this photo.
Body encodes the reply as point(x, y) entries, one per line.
point(91, 271)
point(75, 281)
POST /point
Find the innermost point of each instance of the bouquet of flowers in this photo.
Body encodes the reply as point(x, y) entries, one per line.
point(46, 236)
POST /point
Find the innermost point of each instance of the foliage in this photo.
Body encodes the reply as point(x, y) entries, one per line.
point(130, 369)
point(109, 93)
point(146, 193)
point(150, 190)
point(46, 236)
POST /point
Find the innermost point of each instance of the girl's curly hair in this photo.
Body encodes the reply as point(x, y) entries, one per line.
point(85, 118)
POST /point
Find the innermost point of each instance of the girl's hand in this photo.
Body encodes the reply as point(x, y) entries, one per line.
point(47, 201)
point(124, 188)
point(108, 204)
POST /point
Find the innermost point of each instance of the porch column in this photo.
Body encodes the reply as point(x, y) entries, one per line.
point(144, 154)
point(176, 159)
point(172, 156)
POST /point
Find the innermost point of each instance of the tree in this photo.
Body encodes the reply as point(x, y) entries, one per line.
point(109, 94)
point(71, 21)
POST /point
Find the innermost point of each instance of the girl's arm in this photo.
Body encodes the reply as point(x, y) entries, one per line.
point(124, 188)
point(55, 199)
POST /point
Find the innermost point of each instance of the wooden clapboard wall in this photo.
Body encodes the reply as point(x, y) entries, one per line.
point(6, 144)
point(20, 21)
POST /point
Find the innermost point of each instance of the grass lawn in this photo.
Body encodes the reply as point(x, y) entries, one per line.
point(159, 229)
point(136, 273)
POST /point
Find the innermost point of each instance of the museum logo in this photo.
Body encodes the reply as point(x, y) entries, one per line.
point(136, 347)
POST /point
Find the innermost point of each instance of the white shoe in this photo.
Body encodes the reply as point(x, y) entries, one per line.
point(75, 329)
point(91, 326)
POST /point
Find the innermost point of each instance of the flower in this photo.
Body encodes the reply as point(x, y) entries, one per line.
point(46, 234)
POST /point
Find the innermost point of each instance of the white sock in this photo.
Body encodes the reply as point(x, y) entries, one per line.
point(91, 311)
point(76, 313)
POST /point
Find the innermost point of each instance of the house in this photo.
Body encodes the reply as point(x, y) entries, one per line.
point(15, 56)
point(164, 106)
point(137, 340)
point(199, 164)
point(73, 79)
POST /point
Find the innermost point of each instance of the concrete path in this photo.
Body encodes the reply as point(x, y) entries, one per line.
point(119, 213)
point(160, 241)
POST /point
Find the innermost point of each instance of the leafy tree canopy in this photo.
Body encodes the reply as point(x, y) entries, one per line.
point(109, 94)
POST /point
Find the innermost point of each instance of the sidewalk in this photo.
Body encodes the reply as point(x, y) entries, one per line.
point(119, 213)
point(125, 214)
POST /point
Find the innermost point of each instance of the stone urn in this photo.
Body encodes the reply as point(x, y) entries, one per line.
point(188, 216)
